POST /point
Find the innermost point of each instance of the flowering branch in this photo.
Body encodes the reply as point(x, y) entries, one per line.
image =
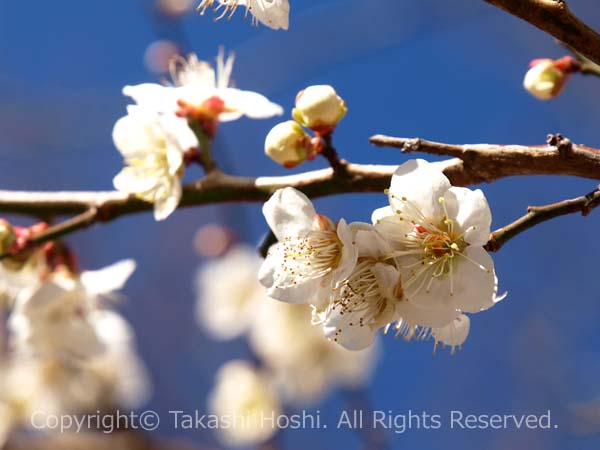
point(474, 163)
point(538, 214)
point(555, 18)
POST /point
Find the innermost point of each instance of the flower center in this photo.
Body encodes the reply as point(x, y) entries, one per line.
point(363, 293)
point(437, 244)
point(312, 255)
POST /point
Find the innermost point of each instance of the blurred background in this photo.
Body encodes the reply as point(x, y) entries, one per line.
point(447, 71)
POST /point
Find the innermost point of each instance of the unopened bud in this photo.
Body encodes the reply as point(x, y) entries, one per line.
point(546, 78)
point(319, 108)
point(288, 144)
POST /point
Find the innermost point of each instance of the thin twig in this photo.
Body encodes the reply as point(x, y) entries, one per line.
point(555, 18)
point(54, 232)
point(538, 214)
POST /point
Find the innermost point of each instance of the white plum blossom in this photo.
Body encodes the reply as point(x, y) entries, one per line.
point(273, 13)
point(437, 233)
point(303, 362)
point(242, 392)
point(153, 147)
point(204, 92)
point(369, 297)
point(59, 319)
point(312, 255)
point(228, 293)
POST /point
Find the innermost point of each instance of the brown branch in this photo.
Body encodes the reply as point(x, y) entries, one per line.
point(538, 214)
point(473, 164)
point(489, 162)
point(555, 18)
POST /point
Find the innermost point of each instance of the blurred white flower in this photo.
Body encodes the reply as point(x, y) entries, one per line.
point(153, 147)
point(273, 13)
point(20, 278)
point(228, 293)
point(312, 254)
point(303, 362)
point(121, 375)
point(58, 318)
point(246, 397)
point(203, 93)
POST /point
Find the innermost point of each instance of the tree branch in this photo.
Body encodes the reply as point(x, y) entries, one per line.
point(555, 18)
point(489, 162)
point(538, 214)
point(473, 164)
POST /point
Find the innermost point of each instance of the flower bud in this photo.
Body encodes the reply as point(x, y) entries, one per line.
point(288, 144)
point(319, 108)
point(546, 78)
point(7, 236)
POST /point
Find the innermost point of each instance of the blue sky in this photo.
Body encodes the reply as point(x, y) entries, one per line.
point(448, 71)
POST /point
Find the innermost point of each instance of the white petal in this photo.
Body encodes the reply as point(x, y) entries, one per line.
point(166, 203)
point(426, 317)
point(273, 13)
point(474, 216)
point(153, 96)
point(349, 252)
point(280, 284)
point(368, 242)
point(474, 284)
point(289, 212)
point(248, 103)
point(455, 333)
point(380, 213)
point(346, 331)
point(129, 181)
point(108, 279)
point(421, 183)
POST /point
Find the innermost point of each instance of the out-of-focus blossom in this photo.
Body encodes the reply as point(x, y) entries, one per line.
point(288, 144)
point(159, 54)
point(204, 94)
point(153, 147)
point(213, 240)
point(58, 319)
point(228, 293)
point(319, 108)
point(243, 394)
point(303, 362)
point(175, 8)
point(312, 254)
point(273, 13)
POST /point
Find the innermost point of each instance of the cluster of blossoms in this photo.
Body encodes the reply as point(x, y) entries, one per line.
point(66, 351)
point(294, 363)
point(171, 126)
point(319, 109)
point(416, 270)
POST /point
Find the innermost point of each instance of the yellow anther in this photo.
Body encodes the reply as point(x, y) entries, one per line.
point(454, 246)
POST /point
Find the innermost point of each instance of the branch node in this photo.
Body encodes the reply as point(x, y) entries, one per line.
point(563, 145)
